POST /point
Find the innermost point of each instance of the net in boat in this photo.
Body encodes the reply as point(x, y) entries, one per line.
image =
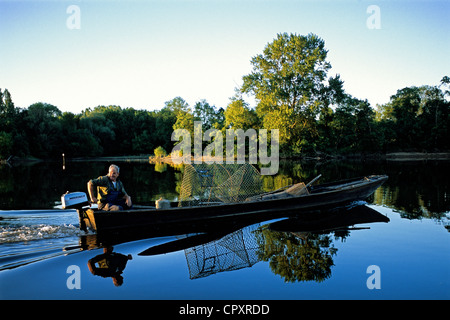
point(209, 184)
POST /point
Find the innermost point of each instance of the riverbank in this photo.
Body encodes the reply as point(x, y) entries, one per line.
point(13, 159)
point(393, 156)
point(139, 158)
point(414, 156)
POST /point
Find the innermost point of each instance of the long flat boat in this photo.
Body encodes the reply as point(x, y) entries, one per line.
point(203, 218)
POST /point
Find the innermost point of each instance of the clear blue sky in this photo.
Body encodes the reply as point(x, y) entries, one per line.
point(142, 53)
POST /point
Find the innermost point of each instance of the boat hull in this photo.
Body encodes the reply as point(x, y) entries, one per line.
point(203, 218)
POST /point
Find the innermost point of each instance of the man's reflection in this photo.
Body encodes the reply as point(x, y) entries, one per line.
point(109, 264)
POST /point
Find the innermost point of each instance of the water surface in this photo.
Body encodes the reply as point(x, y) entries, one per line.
point(39, 245)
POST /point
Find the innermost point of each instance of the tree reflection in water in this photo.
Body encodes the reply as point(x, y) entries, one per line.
point(302, 249)
point(301, 256)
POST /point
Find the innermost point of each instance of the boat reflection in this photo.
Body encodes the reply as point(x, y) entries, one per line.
point(297, 248)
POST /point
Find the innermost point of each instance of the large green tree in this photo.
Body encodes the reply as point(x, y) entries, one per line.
point(287, 82)
point(208, 115)
point(238, 115)
point(44, 130)
point(12, 127)
point(417, 119)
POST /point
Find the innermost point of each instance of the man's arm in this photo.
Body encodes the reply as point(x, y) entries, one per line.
point(128, 200)
point(92, 192)
point(126, 197)
point(92, 267)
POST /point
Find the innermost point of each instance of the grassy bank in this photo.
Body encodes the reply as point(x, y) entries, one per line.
point(413, 156)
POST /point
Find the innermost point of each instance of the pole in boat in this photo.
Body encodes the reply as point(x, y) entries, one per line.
point(313, 180)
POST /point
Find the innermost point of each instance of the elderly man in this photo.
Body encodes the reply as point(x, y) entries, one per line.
point(110, 191)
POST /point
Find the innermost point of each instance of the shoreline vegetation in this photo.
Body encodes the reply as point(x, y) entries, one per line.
point(394, 156)
point(293, 92)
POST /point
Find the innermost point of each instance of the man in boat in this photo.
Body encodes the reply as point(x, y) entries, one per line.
point(110, 191)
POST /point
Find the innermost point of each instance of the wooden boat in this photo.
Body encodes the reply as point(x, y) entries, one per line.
point(203, 218)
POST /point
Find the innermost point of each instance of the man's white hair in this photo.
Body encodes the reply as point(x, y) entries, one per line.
point(113, 166)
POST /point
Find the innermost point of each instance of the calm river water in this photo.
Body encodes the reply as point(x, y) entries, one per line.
point(401, 252)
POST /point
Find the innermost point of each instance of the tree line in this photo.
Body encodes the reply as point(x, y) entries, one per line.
point(292, 90)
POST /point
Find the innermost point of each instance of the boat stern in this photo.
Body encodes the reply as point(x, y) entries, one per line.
point(87, 219)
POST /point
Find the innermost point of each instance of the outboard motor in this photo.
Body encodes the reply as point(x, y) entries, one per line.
point(76, 200)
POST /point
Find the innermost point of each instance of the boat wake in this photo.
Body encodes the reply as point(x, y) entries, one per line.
point(31, 235)
point(29, 225)
point(10, 234)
